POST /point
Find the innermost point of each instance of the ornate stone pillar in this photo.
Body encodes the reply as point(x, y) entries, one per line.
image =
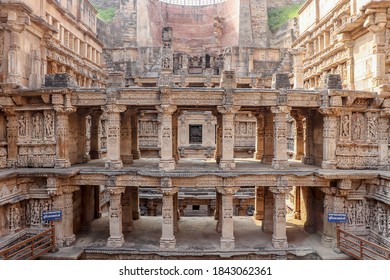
point(383, 143)
point(14, 58)
point(309, 143)
point(280, 160)
point(135, 135)
point(228, 112)
point(279, 237)
point(227, 236)
point(308, 208)
point(297, 203)
point(126, 138)
point(268, 220)
point(62, 112)
point(168, 240)
point(259, 203)
point(376, 21)
point(135, 202)
point(82, 136)
point(116, 238)
point(218, 147)
point(113, 136)
point(127, 217)
point(12, 137)
point(299, 136)
point(350, 65)
point(268, 150)
point(329, 137)
point(176, 215)
point(167, 161)
point(259, 136)
point(175, 151)
point(95, 152)
point(218, 211)
point(298, 55)
point(69, 236)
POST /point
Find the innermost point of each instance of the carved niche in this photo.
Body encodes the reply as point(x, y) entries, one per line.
point(36, 139)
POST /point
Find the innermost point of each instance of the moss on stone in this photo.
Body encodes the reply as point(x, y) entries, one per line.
point(279, 16)
point(106, 14)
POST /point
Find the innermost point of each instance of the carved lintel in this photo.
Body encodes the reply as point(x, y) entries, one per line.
point(169, 191)
point(116, 108)
point(116, 190)
point(227, 190)
point(166, 109)
point(228, 109)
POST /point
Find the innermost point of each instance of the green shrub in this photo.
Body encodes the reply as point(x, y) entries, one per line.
point(106, 15)
point(279, 16)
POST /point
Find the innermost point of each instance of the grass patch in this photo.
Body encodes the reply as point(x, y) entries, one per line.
point(279, 16)
point(106, 15)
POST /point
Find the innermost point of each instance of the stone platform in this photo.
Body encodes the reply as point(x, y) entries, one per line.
point(196, 239)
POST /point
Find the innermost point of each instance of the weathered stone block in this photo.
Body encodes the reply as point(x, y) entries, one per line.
point(280, 80)
point(333, 81)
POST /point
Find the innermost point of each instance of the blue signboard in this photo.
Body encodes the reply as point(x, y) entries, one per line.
point(52, 215)
point(337, 218)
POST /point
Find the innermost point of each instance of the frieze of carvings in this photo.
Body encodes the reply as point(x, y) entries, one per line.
point(148, 128)
point(372, 126)
point(380, 219)
point(358, 127)
point(9, 191)
point(197, 98)
point(3, 157)
point(345, 127)
point(14, 218)
point(34, 210)
point(36, 156)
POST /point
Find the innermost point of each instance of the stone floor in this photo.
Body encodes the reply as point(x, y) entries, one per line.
point(198, 235)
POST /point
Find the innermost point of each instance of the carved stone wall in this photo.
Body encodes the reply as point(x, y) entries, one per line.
point(148, 134)
point(245, 135)
point(358, 140)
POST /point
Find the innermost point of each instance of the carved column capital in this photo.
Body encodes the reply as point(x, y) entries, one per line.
point(166, 109)
point(113, 108)
point(228, 109)
point(116, 190)
point(227, 190)
point(281, 110)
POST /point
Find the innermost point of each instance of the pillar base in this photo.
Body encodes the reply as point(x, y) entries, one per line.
point(115, 241)
point(127, 159)
point(326, 241)
point(329, 164)
point(60, 242)
point(167, 243)
point(70, 240)
point(259, 216)
point(267, 227)
point(279, 243)
point(136, 215)
point(167, 164)
point(298, 156)
point(136, 154)
point(113, 164)
point(258, 155)
point(266, 159)
point(227, 164)
point(227, 244)
point(62, 163)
